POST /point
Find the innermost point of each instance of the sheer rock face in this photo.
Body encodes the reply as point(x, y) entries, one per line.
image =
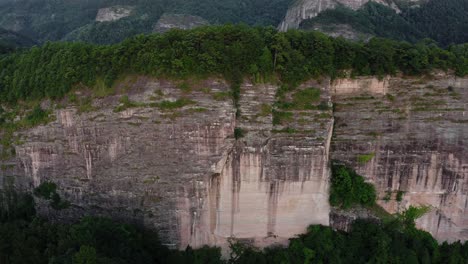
point(113, 13)
point(181, 171)
point(274, 184)
point(414, 135)
point(305, 9)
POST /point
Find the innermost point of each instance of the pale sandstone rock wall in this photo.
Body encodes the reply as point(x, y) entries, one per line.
point(418, 137)
point(182, 172)
point(272, 185)
point(360, 85)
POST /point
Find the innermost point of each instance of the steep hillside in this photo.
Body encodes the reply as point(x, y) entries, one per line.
point(96, 21)
point(443, 21)
point(112, 21)
point(9, 41)
point(306, 9)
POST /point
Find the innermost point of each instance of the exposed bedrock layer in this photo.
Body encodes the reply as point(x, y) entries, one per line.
point(179, 169)
point(409, 137)
point(274, 183)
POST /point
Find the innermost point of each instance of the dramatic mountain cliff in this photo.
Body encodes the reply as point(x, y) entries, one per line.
point(182, 170)
point(305, 9)
point(229, 131)
point(442, 21)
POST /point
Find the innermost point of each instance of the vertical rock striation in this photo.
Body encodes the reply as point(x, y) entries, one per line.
point(409, 137)
point(180, 170)
point(273, 184)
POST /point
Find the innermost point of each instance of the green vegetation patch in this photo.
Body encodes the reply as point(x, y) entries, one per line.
point(399, 196)
point(388, 196)
point(301, 100)
point(125, 104)
point(185, 87)
point(45, 190)
point(265, 110)
point(349, 188)
point(363, 159)
point(100, 89)
point(221, 96)
point(85, 105)
point(280, 118)
point(37, 116)
point(48, 191)
point(238, 133)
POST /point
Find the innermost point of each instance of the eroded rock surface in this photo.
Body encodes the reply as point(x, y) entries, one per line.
point(180, 170)
point(113, 13)
point(409, 136)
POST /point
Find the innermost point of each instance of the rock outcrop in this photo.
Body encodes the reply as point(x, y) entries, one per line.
point(180, 21)
point(305, 9)
point(113, 13)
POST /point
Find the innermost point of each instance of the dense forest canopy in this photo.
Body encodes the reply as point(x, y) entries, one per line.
point(233, 52)
point(446, 22)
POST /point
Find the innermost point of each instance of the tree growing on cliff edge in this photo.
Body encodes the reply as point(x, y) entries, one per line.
point(234, 52)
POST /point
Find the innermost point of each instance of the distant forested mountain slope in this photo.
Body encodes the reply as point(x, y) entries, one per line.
point(111, 21)
point(446, 21)
point(9, 41)
point(45, 20)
